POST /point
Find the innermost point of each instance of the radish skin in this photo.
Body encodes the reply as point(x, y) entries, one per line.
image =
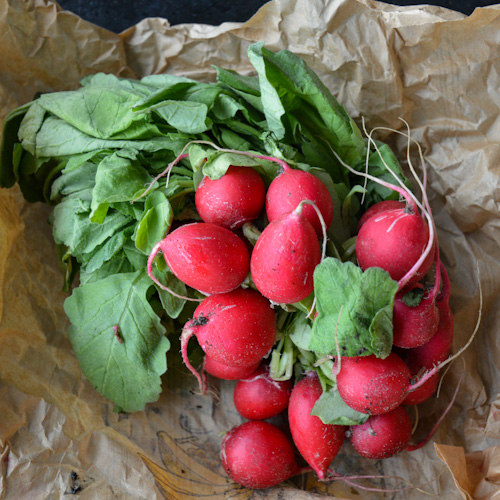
point(258, 396)
point(237, 197)
point(237, 328)
point(258, 454)
point(382, 436)
point(284, 258)
point(293, 186)
point(414, 325)
point(225, 372)
point(206, 257)
point(381, 206)
point(318, 443)
point(394, 240)
point(373, 385)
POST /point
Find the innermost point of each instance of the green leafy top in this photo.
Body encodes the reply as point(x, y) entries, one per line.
point(94, 153)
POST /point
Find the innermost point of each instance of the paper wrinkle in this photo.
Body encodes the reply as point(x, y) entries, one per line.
point(436, 68)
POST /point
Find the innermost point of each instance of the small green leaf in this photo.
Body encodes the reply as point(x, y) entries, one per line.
point(118, 339)
point(155, 222)
point(186, 116)
point(332, 410)
point(9, 143)
point(172, 305)
point(218, 163)
point(413, 297)
point(100, 111)
point(361, 303)
point(73, 228)
point(119, 177)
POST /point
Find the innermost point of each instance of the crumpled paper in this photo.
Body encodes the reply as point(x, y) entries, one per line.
point(436, 69)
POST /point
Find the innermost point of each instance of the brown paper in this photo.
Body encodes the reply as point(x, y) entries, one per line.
point(437, 69)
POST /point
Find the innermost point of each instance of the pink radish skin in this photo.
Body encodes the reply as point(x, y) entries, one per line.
point(206, 257)
point(381, 206)
point(382, 436)
point(434, 354)
point(237, 197)
point(237, 328)
point(225, 372)
point(394, 240)
point(429, 355)
point(414, 326)
point(438, 348)
point(284, 258)
point(293, 186)
point(258, 454)
point(318, 443)
point(258, 396)
point(373, 385)
point(423, 393)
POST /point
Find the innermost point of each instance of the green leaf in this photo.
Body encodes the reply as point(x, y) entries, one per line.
point(78, 160)
point(414, 297)
point(218, 163)
point(378, 164)
point(100, 111)
point(69, 267)
point(226, 107)
point(271, 102)
point(332, 410)
point(283, 72)
point(73, 228)
point(189, 117)
point(155, 222)
point(137, 259)
point(361, 303)
point(164, 80)
point(246, 87)
point(124, 366)
point(9, 140)
point(108, 80)
point(119, 263)
point(77, 183)
point(172, 305)
point(299, 331)
point(119, 177)
point(31, 124)
point(58, 138)
point(105, 252)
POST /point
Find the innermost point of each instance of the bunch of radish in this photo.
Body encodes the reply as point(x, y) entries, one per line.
point(241, 287)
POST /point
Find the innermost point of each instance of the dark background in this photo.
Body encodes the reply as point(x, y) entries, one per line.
point(118, 15)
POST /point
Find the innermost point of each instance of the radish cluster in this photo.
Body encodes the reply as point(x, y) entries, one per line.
point(235, 324)
point(241, 286)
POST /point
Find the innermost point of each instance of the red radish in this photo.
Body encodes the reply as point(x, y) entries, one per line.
point(382, 436)
point(394, 240)
point(373, 385)
point(414, 325)
point(258, 396)
point(244, 239)
point(258, 454)
point(318, 443)
point(293, 186)
point(284, 258)
point(379, 207)
point(204, 256)
point(237, 328)
point(429, 355)
point(225, 372)
point(422, 393)
point(237, 197)
point(438, 348)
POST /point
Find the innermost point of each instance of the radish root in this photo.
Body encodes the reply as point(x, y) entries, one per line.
point(151, 258)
